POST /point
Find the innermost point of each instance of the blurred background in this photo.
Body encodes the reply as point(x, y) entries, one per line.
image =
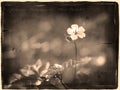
point(38, 30)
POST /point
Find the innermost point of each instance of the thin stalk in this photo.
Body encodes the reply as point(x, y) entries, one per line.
point(75, 50)
point(75, 45)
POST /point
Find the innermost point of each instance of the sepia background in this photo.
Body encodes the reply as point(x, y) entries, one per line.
point(38, 30)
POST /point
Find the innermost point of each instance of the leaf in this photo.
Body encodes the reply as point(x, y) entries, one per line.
point(56, 82)
point(68, 38)
point(69, 75)
point(15, 77)
point(45, 69)
point(27, 71)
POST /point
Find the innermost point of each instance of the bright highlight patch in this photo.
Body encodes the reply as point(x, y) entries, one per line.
point(100, 61)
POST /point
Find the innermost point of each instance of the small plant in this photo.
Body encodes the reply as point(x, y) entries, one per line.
point(54, 74)
point(75, 32)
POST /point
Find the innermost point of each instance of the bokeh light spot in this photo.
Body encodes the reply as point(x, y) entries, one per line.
point(100, 61)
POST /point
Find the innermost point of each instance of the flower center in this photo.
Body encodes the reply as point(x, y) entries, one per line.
point(76, 33)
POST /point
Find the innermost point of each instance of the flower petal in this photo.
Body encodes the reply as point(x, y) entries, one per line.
point(81, 29)
point(74, 27)
point(82, 35)
point(70, 31)
point(74, 37)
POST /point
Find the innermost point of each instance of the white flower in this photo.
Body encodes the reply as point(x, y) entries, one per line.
point(76, 32)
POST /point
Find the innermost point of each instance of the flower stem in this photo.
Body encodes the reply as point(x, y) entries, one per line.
point(75, 57)
point(75, 50)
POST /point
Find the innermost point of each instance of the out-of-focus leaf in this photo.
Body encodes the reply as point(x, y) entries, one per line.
point(15, 77)
point(37, 65)
point(27, 71)
point(31, 69)
point(53, 70)
point(38, 82)
point(25, 82)
point(69, 74)
point(68, 38)
point(7, 86)
point(47, 85)
point(68, 63)
point(56, 82)
point(45, 69)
